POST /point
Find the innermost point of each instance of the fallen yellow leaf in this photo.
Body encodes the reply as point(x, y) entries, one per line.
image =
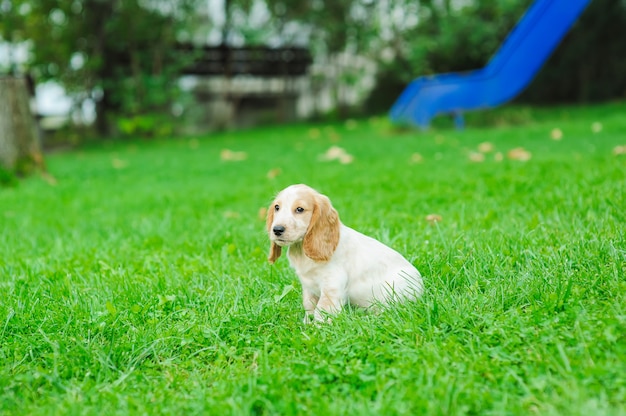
point(433, 218)
point(519, 153)
point(274, 173)
point(476, 157)
point(556, 134)
point(231, 156)
point(346, 159)
point(619, 150)
point(486, 147)
point(337, 153)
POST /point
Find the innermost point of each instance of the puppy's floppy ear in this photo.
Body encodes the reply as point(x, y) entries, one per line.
point(275, 249)
point(322, 236)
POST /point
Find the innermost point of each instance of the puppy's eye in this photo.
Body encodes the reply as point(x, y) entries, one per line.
point(299, 210)
point(276, 207)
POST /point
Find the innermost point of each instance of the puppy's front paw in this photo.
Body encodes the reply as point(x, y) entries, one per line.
point(322, 318)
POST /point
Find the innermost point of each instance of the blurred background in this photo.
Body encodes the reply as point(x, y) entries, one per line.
point(147, 68)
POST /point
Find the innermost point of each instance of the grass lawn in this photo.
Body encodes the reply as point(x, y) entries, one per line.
point(138, 284)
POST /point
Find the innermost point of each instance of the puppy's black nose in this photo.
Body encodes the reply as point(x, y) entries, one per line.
point(278, 230)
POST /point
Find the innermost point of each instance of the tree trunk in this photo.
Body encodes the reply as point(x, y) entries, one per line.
point(20, 149)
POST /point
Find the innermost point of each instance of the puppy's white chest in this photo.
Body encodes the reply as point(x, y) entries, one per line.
point(310, 273)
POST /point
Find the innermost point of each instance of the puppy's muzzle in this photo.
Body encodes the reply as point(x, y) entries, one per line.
point(278, 230)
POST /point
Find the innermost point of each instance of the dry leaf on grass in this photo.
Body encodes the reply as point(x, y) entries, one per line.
point(519, 153)
point(346, 159)
point(433, 218)
point(231, 156)
point(498, 157)
point(476, 157)
point(556, 134)
point(274, 173)
point(619, 150)
point(486, 147)
point(337, 153)
point(262, 213)
point(333, 152)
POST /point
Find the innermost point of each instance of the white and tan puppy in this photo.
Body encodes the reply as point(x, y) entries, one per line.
point(336, 265)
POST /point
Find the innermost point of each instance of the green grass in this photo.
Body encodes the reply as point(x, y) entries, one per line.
point(139, 283)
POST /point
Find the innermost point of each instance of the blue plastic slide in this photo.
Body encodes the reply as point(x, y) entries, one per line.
point(512, 67)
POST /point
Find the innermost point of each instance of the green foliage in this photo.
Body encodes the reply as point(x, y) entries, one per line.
point(7, 178)
point(119, 53)
point(332, 25)
point(146, 125)
point(139, 283)
point(453, 38)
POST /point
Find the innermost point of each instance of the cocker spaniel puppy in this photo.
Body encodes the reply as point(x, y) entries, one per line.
point(336, 265)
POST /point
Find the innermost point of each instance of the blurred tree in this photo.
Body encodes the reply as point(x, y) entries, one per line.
point(19, 140)
point(330, 26)
point(441, 36)
point(20, 150)
point(117, 52)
